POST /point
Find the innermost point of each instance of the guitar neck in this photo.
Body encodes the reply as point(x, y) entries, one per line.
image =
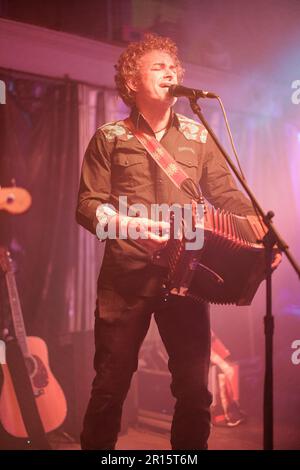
point(16, 312)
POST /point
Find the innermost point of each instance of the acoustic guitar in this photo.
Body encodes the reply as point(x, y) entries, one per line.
point(49, 397)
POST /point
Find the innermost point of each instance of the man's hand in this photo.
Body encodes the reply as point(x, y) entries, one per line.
point(277, 258)
point(145, 231)
point(262, 229)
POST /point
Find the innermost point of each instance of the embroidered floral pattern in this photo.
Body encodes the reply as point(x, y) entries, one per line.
point(171, 169)
point(116, 129)
point(191, 129)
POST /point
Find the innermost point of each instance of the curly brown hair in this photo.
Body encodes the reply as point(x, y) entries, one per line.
point(127, 66)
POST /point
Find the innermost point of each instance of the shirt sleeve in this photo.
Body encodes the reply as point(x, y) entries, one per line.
point(95, 182)
point(218, 186)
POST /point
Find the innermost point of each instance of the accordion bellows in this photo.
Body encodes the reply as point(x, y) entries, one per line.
point(227, 270)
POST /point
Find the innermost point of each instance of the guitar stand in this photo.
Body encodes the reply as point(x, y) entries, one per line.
point(60, 440)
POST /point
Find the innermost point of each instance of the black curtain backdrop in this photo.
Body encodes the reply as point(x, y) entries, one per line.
point(39, 149)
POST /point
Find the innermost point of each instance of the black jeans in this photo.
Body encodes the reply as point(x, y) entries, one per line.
point(185, 330)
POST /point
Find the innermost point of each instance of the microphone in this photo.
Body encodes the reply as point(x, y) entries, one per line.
point(179, 90)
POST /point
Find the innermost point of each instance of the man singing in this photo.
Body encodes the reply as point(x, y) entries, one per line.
point(117, 164)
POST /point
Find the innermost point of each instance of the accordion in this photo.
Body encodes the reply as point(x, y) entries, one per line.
point(228, 269)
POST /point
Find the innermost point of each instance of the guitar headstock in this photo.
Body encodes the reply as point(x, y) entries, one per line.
point(14, 200)
point(6, 263)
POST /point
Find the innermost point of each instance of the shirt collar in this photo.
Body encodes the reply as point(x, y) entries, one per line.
point(140, 122)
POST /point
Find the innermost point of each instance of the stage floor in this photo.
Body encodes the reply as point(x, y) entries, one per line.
point(247, 436)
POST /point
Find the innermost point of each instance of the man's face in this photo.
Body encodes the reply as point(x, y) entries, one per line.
point(157, 72)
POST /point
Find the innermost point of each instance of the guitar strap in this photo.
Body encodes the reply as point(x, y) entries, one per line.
point(166, 162)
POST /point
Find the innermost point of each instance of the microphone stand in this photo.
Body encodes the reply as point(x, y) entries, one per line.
point(271, 238)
